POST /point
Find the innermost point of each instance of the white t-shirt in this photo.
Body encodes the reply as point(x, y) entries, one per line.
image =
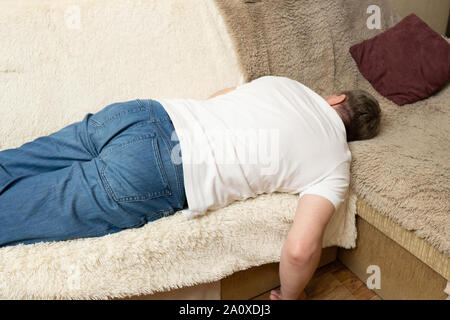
point(272, 134)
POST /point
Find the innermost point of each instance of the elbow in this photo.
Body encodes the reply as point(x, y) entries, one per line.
point(301, 254)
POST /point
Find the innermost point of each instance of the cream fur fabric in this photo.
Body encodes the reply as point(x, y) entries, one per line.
point(54, 68)
point(404, 172)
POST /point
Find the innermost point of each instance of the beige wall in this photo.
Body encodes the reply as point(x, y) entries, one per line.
point(433, 12)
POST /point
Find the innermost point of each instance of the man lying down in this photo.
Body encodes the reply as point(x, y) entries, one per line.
point(141, 160)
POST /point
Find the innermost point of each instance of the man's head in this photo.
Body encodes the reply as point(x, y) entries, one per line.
point(360, 113)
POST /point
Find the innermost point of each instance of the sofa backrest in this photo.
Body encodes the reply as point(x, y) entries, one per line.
point(306, 40)
point(62, 59)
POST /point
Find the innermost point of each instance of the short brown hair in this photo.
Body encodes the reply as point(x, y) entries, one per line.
point(361, 114)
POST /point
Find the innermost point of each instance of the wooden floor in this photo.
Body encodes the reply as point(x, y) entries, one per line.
point(334, 282)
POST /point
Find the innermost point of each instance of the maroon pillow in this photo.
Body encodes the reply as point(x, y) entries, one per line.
point(407, 63)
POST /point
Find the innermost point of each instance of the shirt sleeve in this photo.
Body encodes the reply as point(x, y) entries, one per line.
point(334, 186)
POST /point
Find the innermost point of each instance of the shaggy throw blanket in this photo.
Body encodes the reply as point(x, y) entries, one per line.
point(405, 172)
point(59, 61)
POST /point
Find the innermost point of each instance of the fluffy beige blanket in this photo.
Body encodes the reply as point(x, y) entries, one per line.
point(405, 172)
point(60, 60)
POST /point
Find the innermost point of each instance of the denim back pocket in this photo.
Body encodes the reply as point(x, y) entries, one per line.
point(133, 169)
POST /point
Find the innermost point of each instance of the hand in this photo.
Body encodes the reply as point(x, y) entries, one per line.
point(276, 295)
point(221, 92)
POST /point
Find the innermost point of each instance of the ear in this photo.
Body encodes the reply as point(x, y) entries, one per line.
point(335, 100)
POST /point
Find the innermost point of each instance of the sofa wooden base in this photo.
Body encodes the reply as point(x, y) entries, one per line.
point(403, 276)
point(252, 282)
point(241, 285)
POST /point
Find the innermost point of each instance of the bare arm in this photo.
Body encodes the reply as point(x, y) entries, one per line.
point(224, 91)
point(301, 251)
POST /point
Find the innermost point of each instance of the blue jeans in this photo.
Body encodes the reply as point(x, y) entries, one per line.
point(109, 172)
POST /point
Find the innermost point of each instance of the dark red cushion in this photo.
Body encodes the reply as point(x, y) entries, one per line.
point(407, 63)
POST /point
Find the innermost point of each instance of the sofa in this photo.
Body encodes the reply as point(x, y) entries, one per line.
point(60, 60)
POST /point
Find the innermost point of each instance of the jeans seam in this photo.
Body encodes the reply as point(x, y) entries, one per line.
point(105, 180)
point(169, 146)
point(160, 213)
point(162, 170)
point(94, 122)
point(140, 103)
point(153, 113)
point(99, 125)
point(90, 148)
point(132, 141)
point(151, 110)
